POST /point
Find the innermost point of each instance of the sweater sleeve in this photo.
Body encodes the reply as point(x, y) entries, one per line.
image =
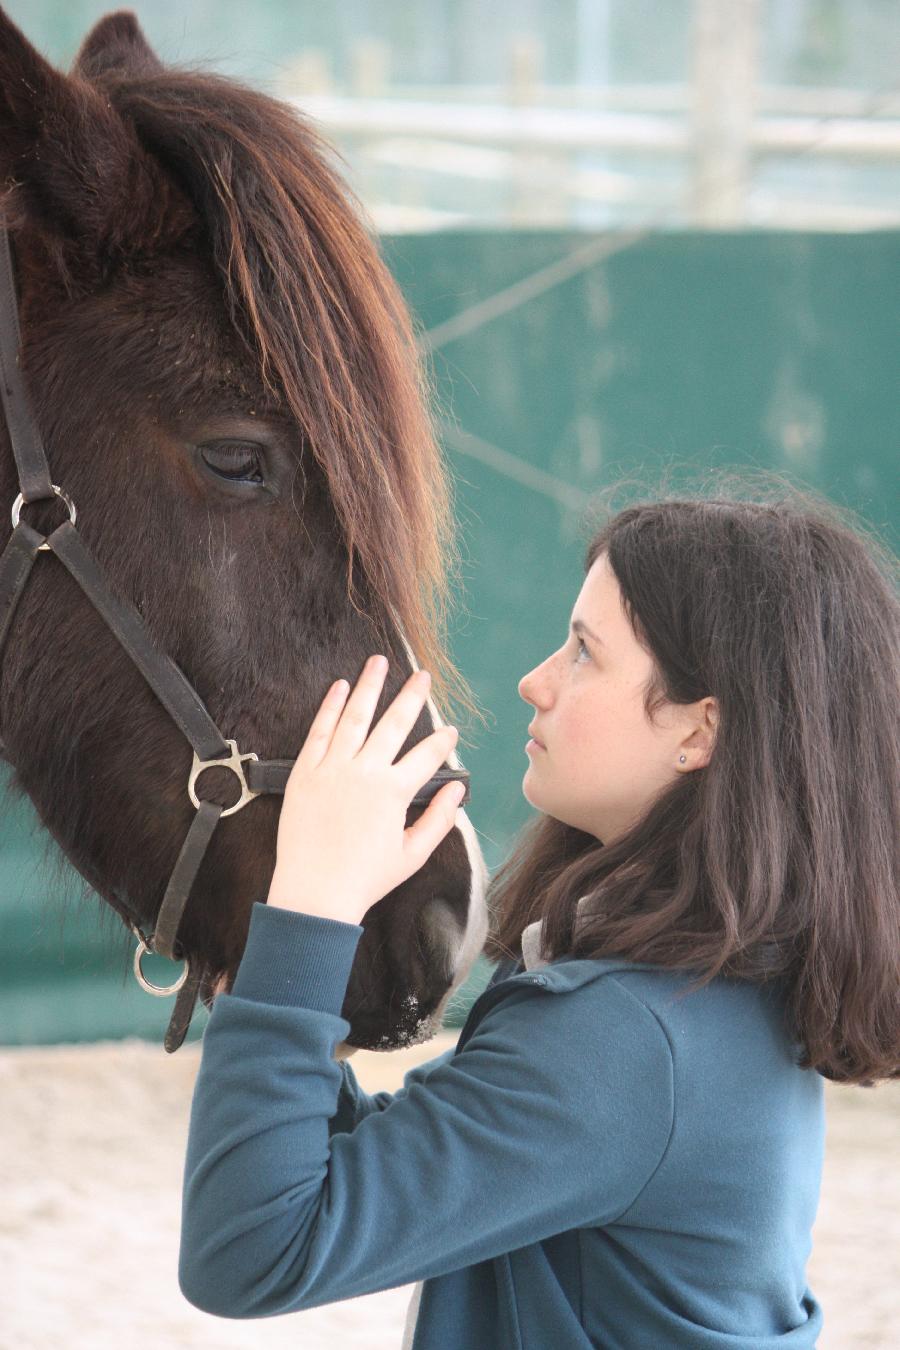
point(354, 1103)
point(552, 1116)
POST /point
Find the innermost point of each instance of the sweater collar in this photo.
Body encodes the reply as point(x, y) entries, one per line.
point(532, 937)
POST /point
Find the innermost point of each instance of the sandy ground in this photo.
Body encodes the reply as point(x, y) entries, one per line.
point(92, 1143)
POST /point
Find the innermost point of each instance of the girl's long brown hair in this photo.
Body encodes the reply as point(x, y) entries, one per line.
point(779, 859)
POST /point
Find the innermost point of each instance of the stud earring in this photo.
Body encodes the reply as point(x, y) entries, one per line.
point(682, 759)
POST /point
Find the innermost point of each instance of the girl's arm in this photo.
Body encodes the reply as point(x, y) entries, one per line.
point(552, 1116)
point(354, 1103)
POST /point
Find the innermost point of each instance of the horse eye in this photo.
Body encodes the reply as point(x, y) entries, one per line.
point(238, 461)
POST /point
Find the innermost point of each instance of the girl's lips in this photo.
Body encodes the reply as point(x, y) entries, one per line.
point(534, 745)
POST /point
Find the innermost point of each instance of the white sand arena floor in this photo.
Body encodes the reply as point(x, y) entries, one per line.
point(92, 1142)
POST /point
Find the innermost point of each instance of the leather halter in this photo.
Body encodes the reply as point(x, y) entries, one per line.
point(174, 691)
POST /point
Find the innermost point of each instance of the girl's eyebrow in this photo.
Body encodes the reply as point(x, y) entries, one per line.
point(580, 627)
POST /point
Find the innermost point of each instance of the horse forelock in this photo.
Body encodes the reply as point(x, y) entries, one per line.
point(315, 305)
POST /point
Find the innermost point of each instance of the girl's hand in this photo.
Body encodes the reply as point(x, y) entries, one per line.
point(342, 837)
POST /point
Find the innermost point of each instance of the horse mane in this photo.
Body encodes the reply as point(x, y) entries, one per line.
point(309, 295)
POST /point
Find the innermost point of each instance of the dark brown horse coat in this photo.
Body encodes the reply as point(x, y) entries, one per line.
point(226, 384)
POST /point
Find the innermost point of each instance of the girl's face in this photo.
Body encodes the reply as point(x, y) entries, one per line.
point(600, 761)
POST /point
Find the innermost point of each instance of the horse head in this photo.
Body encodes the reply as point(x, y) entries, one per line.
point(226, 383)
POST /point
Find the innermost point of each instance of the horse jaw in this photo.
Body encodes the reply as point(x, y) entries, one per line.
point(462, 950)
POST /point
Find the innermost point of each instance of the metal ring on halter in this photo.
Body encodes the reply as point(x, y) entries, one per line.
point(142, 980)
point(232, 762)
point(20, 502)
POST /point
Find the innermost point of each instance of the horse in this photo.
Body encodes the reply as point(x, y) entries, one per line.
point(226, 382)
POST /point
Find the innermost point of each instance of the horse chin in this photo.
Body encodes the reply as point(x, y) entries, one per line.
point(410, 1030)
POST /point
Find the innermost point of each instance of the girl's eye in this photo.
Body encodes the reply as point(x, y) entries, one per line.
point(581, 648)
point(238, 461)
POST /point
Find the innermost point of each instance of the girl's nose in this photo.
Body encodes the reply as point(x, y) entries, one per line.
point(533, 686)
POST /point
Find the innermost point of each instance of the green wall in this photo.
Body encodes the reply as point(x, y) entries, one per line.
point(672, 354)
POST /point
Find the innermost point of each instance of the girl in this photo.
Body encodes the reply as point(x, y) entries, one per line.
point(624, 1148)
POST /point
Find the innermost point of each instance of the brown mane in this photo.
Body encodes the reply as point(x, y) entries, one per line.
point(331, 335)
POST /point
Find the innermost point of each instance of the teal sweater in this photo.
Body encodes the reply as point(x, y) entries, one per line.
point(599, 1161)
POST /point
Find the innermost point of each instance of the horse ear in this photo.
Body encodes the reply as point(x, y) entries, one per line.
point(73, 168)
point(116, 43)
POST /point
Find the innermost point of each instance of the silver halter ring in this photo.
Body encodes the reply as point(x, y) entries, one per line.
point(158, 990)
point(20, 502)
point(234, 762)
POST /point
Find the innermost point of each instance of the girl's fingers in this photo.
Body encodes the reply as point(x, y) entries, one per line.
point(419, 763)
point(422, 838)
point(353, 728)
point(318, 738)
point(397, 721)
point(341, 726)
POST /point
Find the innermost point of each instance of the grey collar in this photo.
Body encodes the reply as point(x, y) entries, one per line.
point(532, 938)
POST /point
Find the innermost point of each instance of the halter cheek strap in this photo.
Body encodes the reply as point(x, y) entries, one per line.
point(168, 682)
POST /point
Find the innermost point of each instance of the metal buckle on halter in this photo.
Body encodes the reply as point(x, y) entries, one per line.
point(20, 502)
point(143, 948)
point(233, 762)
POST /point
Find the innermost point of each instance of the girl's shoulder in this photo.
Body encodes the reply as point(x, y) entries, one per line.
point(722, 1020)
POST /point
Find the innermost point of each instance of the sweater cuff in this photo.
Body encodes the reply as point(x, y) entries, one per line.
point(296, 960)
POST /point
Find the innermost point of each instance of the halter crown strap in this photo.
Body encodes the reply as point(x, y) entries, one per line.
point(27, 446)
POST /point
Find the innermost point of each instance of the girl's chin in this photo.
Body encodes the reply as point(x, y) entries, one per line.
point(534, 797)
point(538, 800)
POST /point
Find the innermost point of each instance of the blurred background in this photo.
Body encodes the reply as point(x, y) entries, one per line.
point(566, 114)
point(641, 238)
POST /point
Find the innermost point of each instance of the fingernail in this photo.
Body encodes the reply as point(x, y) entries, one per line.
point(459, 791)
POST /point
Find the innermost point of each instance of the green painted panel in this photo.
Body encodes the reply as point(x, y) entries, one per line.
point(674, 353)
point(678, 353)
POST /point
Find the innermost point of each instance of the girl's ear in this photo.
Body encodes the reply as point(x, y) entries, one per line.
point(71, 166)
point(700, 744)
point(116, 44)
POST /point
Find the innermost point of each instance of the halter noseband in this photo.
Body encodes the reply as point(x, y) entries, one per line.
point(174, 691)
